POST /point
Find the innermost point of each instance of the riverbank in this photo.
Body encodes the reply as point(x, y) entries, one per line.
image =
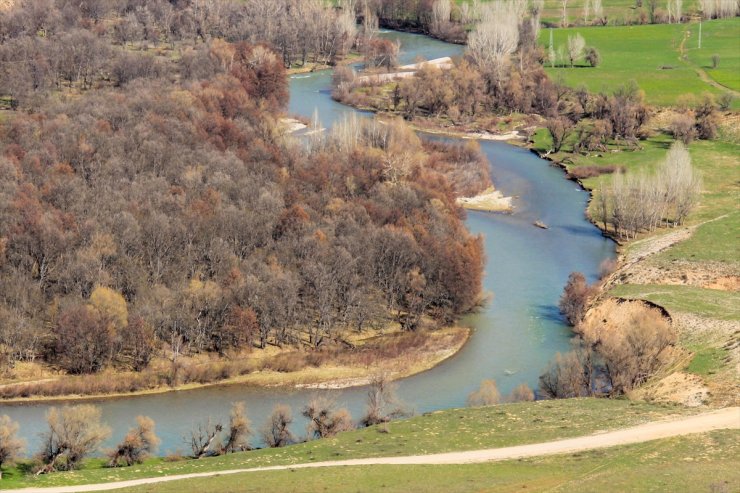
point(395, 354)
point(694, 277)
point(692, 271)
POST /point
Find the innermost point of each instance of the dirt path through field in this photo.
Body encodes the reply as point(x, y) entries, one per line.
point(728, 418)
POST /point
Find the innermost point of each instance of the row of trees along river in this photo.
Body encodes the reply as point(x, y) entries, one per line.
point(515, 334)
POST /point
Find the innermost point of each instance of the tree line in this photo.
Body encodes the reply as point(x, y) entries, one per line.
point(167, 212)
point(74, 433)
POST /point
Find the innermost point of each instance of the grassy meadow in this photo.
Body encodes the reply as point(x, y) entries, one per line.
point(441, 431)
point(696, 463)
point(664, 59)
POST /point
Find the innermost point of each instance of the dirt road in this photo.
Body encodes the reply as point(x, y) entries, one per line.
point(728, 418)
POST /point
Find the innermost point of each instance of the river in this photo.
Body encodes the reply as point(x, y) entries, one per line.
point(514, 336)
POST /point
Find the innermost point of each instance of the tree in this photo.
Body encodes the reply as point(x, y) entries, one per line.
point(74, 432)
point(10, 445)
point(707, 121)
point(486, 395)
point(632, 339)
point(239, 431)
point(575, 298)
point(111, 306)
point(83, 340)
point(494, 39)
point(324, 419)
point(576, 47)
point(558, 128)
point(202, 438)
point(276, 431)
point(683, 128)
point(568, 375)
point(682, 181)
point(521, 393)
point(136, 446)
point(382, 403)
point(593, 57)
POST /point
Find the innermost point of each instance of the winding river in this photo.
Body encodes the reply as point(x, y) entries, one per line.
point(514, 336)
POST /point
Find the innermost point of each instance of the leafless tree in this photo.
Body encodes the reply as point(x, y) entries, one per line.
point(276, 431)
point(682, 182)
point(74, 432)
point(521, 393)
point(382, 402)
point(239, 430)
point(598, 11)
point(137, 445)
point(324, 419)
point(495, 38)
point(576, 48)
point(10, 445)
point(203, 438)
point(632, 339)
point(563, 13)
point(486, 395)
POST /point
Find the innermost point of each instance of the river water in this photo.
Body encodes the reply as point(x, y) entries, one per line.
point(514, 337)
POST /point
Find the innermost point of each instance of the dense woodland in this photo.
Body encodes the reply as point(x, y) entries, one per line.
point(148, 199)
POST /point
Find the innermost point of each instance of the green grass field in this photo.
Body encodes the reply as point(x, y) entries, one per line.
point(713, 247)
point(442, 431)
point(697, 463)
point(651, 55)
point(616, 11)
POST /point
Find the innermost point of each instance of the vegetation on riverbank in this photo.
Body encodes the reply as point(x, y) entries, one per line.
point(484, 427)
point(156, 224)
point(692, 270)
point(395, 353)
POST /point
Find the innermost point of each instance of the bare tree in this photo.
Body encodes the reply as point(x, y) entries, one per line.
point(10, 445)
point(683, 183)
point(598, 10)
point(137, 445)
point(382, 403)
point(202, 439)
point(441, 10)
point(276, 431)
point(575, 298)
point(521, 393)
point(240, 428)
point(495, 38)
point(486, 395)
point(576, 48)
point(569, 375)
point(324, 419)
point(632, 339)
point(74, 432)
point(563, 13)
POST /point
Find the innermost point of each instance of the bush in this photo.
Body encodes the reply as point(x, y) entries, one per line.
point(583, 172)
point(486, 395)
point(136, 446)
point(593, 57)
point(682, 128)
point(575, 298)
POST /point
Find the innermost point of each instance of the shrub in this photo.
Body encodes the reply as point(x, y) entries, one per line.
point(682, 128)
point(136, 446)
point(593, 57)
point(486, 395)
point(575, 298)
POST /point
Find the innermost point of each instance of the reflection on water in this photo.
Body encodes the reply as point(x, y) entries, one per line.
point(514, 335)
